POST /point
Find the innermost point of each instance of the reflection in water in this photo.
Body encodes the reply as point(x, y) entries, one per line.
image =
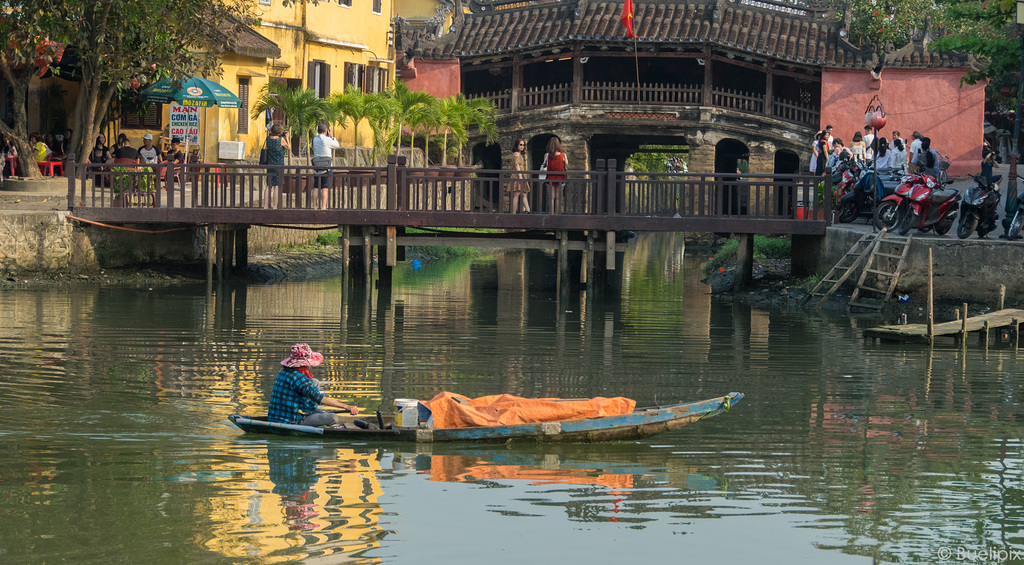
point(115, 437)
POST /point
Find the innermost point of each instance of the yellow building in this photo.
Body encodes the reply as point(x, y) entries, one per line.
point(323, 46)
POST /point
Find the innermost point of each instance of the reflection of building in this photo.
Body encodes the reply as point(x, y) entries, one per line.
point(317, 500)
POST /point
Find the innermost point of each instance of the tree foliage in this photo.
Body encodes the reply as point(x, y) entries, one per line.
point(988, 31)
point(302, 107)
point(114, 41)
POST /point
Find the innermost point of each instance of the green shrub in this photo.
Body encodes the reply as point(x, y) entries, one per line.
point(127, 179)
point(772, 247)
point(764, 248)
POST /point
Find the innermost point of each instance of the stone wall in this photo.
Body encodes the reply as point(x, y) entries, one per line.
point(968, 270)
point(47, 242)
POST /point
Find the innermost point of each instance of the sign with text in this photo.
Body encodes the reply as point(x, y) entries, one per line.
point(185, 123)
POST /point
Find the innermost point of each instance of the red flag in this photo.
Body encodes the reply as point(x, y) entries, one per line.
point(627, 18)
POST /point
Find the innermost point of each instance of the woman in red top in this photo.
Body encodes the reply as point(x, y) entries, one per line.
point(556, 161)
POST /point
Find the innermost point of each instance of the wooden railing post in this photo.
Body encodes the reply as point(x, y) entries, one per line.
point(600, 186)
point(72, 177)
point(157, 188)
point(394, 200)
point(616, 189)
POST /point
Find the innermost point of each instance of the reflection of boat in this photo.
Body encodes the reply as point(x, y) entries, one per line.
point(640, 423)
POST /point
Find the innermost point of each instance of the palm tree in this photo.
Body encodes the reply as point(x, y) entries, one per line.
point(410, 104)
point(481, 113)
point(381, 109)
point(451, 118)
point(430, 122)
point(350, 105)
point(301, 106)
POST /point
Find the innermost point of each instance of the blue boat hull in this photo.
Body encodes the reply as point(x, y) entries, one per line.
point(638, 424)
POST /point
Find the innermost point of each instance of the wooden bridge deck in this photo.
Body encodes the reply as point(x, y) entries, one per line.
point(1007, 318)
point(604, 199)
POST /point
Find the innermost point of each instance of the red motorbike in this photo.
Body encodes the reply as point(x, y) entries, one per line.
point(920, 202)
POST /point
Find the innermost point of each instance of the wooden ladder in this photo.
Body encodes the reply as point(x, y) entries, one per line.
point(883, 266)
point(843, 269)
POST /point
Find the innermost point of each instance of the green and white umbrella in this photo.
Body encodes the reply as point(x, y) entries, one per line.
point(194, 91)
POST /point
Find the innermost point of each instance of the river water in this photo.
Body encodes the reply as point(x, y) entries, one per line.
point(117, 449)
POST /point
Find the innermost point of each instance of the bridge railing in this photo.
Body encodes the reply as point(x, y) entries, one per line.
point(442, 194)
point(655, 94)
point(648, 93)
point(751, 196)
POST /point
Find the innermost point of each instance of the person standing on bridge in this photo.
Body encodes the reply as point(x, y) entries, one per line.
point(518, 187)
point(557, 163)
point(277, 144)
point(323, 157)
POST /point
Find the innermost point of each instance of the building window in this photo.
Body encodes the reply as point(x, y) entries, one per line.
point(354, 75)
point(376, 6)
point(319, 78)
point(243, 108)
point(376, 79)
point(345, 3)
point(151, 118)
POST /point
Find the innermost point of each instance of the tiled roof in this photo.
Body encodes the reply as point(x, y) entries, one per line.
point(758, 27)
point(245, 41)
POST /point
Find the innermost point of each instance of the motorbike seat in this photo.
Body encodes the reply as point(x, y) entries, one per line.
point(942, 195)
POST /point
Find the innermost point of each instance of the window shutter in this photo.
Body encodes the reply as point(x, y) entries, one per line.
point(243, 108)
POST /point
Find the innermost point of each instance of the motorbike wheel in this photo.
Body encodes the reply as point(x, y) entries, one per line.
point(942, 228)
point(1015, 225)
point(968, 223)
point(847, 212)
point(907, 222)
point(886, 216)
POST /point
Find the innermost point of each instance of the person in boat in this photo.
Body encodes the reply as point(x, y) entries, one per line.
point(296, 394)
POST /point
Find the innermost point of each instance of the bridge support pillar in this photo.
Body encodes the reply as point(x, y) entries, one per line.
point(744, 262)
point(806, 255)
point(242, 247)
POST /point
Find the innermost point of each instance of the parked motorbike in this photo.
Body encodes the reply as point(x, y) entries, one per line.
point(978, 211)
point(859, 201)
point(845, 179)
point(886, 212)
point(919, 202)
point(1015, 214)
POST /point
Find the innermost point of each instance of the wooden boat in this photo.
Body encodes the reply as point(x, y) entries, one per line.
point(640, 423)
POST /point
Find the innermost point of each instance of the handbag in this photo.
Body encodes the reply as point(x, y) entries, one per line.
point(322, 162)
point(544, 168)
point(263, 153)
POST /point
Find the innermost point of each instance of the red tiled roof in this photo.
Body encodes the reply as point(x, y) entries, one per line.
point(758, 27)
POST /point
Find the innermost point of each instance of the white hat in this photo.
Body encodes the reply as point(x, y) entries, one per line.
point(148, 136)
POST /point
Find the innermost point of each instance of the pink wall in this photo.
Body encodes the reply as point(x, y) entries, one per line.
point(930, 101)
point(440, 78)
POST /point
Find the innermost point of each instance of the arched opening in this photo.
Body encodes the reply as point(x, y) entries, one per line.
point(487, 157)
point(732, 156)
point(650, 153)
point(786, 163)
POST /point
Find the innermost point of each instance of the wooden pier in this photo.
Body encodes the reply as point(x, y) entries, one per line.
point(957, 329)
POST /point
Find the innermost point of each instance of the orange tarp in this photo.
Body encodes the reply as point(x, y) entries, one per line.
point(452, 410)
point(464, 468)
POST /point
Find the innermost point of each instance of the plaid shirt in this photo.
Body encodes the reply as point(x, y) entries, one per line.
point(294, 396)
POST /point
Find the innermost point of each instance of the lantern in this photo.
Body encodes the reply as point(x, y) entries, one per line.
point(874, 116)
point(878, 120)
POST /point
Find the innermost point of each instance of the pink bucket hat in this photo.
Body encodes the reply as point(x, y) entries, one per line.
point(303, 356)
